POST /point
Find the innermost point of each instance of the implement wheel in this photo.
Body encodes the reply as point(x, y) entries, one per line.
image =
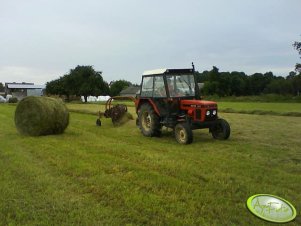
point(149, 121)
point(98, 122)
point(221, 130)
point(183, 133)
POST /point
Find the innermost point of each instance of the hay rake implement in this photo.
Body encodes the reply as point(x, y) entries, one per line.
point(115, 112)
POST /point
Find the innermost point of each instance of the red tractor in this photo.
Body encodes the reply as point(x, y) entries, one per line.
point(171, 98)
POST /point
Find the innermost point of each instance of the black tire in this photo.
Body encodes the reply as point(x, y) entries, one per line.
point(98, 122)
point(149, 121)
point(221, 130)
point(137, 121)
point(183, 133)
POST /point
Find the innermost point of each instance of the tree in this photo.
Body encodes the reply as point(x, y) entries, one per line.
point(81, 81)
point(212, 85)
point(1, 87)
point(57, 87)
point(279, 85)
point(214, 74)
point(295, 82)
point(259, 81)
point(117, 86)
point(224, 86)
point(238, 83)
point(202, 77)
point(297, 46)
point(85, 81)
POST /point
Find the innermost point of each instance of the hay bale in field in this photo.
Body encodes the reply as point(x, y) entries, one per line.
point(36, 116)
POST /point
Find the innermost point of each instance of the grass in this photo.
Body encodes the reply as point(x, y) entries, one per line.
point(104, 175)
point(259, 108)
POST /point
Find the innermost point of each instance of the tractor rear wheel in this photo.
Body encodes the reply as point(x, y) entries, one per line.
point(221, 130)
point(149, 121)
point(183, 133)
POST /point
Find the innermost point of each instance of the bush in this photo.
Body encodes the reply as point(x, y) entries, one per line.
point(13, 100)
point(35, 116)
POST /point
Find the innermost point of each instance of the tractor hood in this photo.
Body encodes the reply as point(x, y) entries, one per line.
point(199, 103)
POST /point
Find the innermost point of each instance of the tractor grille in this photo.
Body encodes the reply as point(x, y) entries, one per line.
point(198, 114)
point(212, 115)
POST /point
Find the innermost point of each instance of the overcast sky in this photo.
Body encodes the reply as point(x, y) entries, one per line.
point(42, 40)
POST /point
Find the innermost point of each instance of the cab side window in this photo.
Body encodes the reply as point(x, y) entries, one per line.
point(147, 87)
point(159, 88)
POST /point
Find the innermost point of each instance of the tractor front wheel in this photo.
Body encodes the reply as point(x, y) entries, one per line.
point(221, 130)
point(149, 121)
point(183, 133)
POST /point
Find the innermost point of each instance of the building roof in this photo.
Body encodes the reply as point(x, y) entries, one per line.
point(130, 90)
point(25, 86)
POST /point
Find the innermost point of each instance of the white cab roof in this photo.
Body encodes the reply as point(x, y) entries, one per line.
point(155, 72)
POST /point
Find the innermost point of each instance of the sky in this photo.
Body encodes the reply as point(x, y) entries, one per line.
point(42, 40)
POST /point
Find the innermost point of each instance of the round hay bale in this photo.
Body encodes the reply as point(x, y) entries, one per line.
point(36, 116)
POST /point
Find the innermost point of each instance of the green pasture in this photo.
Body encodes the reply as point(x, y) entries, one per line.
point(114, 176)
point(251, 106)
point(259, 108)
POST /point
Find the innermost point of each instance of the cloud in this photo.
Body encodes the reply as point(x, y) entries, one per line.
point(42, 40)
point(24, 74)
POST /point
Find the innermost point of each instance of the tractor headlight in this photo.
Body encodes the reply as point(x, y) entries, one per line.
point(208, 113)
point(214, 112)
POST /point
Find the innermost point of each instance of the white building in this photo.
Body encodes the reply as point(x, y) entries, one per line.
point(21, 90)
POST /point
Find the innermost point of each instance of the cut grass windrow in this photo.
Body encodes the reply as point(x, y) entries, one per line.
point(260, 112)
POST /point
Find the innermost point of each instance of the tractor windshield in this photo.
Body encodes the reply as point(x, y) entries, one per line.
point(181, 85)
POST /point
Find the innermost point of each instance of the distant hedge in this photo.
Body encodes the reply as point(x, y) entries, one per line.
point(13, 100)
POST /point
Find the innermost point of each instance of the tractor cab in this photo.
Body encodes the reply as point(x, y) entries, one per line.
point(167, 87)
point(168, 83)
point(171, 98)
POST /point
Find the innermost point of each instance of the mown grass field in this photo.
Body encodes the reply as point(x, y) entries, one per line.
point(106, 175)
point(268, 107)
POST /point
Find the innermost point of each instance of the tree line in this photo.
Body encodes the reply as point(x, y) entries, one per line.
point(239, 84)
point(85, 81)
